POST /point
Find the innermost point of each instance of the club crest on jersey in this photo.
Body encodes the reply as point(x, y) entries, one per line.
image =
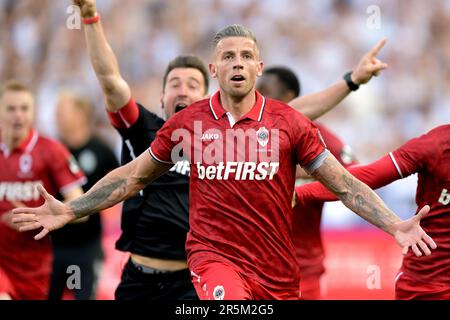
point(262, 135)
point(25, 164)
point(219, 293)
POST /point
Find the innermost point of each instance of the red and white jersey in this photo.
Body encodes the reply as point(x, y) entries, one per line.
point(308, 215)
point(429, 156)
point(242, 181)
point(37, 161)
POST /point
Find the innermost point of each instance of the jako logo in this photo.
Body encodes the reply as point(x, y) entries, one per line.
point(210, 136)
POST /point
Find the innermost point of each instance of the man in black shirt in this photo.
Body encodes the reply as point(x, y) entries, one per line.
point(74, 116)
point(155, 223)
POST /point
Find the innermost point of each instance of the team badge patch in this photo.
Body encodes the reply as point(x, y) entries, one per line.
point(25, 163)
point(219, 293)
point(262, 135)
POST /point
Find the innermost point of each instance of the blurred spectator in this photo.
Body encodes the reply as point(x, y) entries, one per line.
point(79, 244)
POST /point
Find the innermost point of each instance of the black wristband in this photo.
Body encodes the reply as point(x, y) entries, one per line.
point(348, 79)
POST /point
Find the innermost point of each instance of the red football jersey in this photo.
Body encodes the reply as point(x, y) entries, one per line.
point(37, 161)
point(429, 156)
point(242, 181)
point(308, 215)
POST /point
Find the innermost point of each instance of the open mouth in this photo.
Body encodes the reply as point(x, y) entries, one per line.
point(238, 78)
point(180, 106)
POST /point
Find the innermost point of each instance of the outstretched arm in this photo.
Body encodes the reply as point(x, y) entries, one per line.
point(71, 195)
point(116, 186)
point(359, 198)
point(376, 175)
point(317, 104)
point(103, 60)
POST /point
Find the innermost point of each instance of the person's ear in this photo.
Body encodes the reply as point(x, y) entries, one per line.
point(212, 70)
point(260, 69)
point(161, 99)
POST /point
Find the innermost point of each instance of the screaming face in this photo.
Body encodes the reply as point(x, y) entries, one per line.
point(183, 87)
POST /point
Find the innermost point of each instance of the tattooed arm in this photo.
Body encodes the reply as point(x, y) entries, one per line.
point(365, 202)
point(116, 186)
point(355, 195)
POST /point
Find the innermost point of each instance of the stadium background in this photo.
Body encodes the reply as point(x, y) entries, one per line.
point(320, 40)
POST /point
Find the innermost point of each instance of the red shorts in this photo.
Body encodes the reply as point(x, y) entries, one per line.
point(31, 289)
point(219, 281)
point(407, 288)
point(24, 285)
point(310, 288)
point(26, 263)
point(23, 289)
point(5, 284)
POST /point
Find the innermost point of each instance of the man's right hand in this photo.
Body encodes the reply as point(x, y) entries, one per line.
point(87, 7)
point(52, 215)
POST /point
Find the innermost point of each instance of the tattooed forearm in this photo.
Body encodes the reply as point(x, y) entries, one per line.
point(99, 198)
point(357, 196)
point(118, 185)
point(366, 203)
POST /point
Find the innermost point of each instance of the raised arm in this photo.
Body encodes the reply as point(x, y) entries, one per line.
point(103, 60)
point(359, 198)
point(316, 104)
point(116, 186)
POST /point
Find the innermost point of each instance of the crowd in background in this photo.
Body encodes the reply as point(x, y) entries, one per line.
point(320, 40)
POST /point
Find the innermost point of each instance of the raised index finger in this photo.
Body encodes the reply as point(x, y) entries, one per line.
point(376, 49)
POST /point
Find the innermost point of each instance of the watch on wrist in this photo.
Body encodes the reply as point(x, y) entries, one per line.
point(348, 79)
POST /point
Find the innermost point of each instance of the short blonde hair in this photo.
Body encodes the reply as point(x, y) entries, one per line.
point(234, 30)
point(14, 85)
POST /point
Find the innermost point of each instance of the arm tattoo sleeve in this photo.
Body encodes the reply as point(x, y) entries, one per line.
point(98, 199)
point(357, 196)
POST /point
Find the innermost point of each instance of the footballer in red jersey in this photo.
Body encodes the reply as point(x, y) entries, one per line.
point(259, 236)
point(419, 277)
point(282, 84)
point(26, 161)
point(243, 151)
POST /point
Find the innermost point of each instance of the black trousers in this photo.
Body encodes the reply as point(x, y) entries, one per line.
point(84, 256)
point(138, 285)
